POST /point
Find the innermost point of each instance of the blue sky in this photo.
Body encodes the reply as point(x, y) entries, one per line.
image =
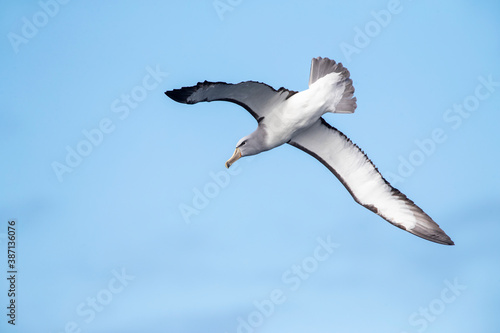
point(98, 166)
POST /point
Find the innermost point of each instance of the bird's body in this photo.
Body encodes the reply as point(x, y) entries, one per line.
point(295, 118)
point(302, 109)
point(297, 113)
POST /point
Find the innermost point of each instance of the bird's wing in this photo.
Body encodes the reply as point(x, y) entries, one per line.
point(365, 183)
point(256, 97)
point(336, 78)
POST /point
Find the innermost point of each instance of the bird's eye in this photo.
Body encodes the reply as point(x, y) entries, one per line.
point(241, 144)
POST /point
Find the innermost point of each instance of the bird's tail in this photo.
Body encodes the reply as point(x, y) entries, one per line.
point(321, 67)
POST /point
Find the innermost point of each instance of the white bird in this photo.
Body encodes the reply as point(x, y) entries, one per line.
point(292, 117)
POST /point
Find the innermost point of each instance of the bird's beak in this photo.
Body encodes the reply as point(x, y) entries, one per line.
point(234, 158)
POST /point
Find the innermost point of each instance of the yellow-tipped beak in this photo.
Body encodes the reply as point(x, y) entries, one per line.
point(234, 158)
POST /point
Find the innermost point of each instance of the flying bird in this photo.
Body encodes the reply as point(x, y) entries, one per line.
point(295, 118)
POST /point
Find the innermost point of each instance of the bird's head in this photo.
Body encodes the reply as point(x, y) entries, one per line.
point(249, 145)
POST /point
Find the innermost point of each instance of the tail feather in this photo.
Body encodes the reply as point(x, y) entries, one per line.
point(346, 105)
point(321, 67)
point(324, 66)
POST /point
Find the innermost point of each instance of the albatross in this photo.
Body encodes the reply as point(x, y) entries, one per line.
point(286, 116)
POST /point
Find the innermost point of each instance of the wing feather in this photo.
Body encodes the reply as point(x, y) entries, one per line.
point(365, 183)
point(257, 98)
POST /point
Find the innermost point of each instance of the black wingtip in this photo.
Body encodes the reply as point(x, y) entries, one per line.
point(180, 95)
point(436, 236)
point(448, 241)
